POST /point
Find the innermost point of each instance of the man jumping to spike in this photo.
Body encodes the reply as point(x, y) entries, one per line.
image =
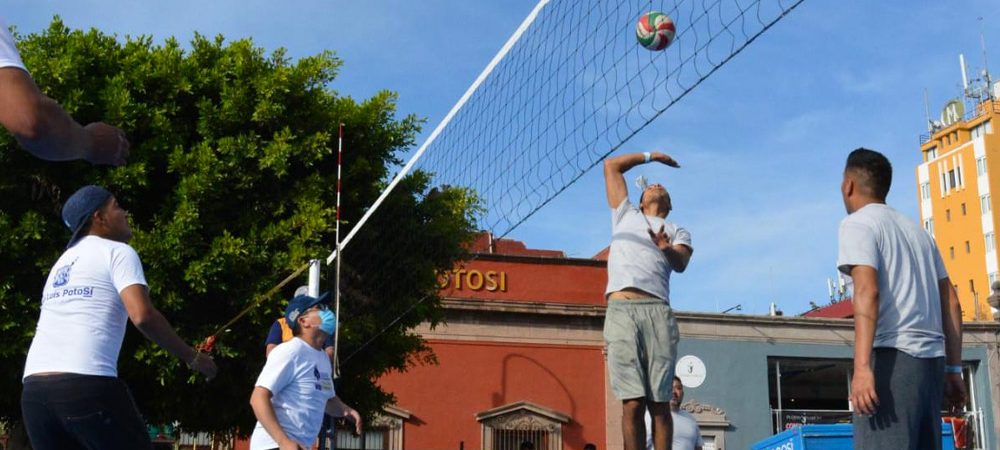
point(639, 329)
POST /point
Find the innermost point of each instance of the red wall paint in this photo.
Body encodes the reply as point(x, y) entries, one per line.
point(473, 377)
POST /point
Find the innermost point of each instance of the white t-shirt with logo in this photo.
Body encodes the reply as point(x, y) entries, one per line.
point(8, 52)
point(82, 320)
point(634, 260)
point(300, 381)
point(687, 436)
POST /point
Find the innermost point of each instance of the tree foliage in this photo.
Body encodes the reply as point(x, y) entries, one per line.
point(231, 185)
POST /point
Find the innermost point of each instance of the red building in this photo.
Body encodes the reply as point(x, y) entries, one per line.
point(520, 357)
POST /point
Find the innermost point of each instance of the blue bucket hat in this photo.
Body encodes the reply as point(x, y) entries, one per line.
point(80, 206)
point(299, 304)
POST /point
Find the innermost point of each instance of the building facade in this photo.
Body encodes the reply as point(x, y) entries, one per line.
point(956, 181)
point(521, 358)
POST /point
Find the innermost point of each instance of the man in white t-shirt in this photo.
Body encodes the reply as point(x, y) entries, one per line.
point(72, 397)
point(907, 318)
point(41, 126)
point(639, 327)
point(687, 436)
point(295, 387)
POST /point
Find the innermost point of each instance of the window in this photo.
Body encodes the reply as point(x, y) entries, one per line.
point(925, 190)
point(931, 153)
point(929, 226)
point(506, 427)
point(951, 179)
point(990, 244)
point(981, 166)
point(982, 129)
point(951, 252)
point(947, 215)
point(984, 203)
point(968, 247)
point(808, 391)
point(963, 209)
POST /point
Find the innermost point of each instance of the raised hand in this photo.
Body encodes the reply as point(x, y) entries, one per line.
point(107, 144)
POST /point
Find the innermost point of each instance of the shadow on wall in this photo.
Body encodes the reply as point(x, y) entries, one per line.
point(500, 398)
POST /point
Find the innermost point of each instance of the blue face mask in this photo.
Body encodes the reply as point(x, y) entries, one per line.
point(329, 321)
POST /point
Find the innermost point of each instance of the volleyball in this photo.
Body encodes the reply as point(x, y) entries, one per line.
point(655, 30)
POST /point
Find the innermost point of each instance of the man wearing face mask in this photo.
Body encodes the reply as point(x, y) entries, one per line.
point(295, 388)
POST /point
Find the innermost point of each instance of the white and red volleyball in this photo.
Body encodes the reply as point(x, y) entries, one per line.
point(655, 30)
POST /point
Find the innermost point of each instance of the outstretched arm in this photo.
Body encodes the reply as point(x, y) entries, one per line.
point(615, 168)
point(42, 127)
point(155, 327)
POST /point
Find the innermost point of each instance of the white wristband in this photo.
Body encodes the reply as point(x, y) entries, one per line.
point(647, 155)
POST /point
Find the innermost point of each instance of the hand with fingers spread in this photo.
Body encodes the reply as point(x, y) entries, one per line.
point(660, 238)
point(863, 395)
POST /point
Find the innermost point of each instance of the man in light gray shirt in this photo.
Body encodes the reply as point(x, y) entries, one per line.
point(639, 328)
point(907, 318)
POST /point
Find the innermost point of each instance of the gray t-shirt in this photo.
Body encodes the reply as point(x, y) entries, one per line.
point(634, 261)
point(909, 267)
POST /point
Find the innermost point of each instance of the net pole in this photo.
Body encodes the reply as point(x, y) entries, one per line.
point(336, 276)
point(444, 123)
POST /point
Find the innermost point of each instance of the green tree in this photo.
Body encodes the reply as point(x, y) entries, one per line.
point(231, 185)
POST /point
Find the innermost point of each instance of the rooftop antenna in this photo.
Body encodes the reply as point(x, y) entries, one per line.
point(965, 76)
point(930, 128)
point(986, 64)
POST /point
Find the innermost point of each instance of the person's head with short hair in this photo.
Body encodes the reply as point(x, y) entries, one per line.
point(867, 179)
point(655, 200)
point(93, 210)
point(589, 446)
point(527, 445)
point(677, 388)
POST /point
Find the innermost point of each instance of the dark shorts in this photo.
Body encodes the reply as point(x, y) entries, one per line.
point(910, 392)
point(70, 411)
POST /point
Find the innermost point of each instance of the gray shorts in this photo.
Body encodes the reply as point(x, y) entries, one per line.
point(910, 392)
point(641, 336)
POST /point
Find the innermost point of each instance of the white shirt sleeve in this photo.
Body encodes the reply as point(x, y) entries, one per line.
point(126, 268)
point(8, 51)
point(856, 247)
point(682, 236)
point(278, 369)
point(618, 213)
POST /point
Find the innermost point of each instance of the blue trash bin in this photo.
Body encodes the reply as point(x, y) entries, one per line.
point(828, 437)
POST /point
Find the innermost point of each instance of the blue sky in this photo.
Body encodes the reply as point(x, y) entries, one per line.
point(762, 142)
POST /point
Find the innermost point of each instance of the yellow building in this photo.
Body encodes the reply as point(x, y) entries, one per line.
point(961, 170)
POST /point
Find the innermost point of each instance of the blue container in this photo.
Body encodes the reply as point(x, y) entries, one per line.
point(828, 437)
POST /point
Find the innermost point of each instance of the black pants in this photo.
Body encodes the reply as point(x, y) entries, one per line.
point(86, 412)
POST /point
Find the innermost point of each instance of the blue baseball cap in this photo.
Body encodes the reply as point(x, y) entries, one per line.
point(299, 304)
point(80, 206)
